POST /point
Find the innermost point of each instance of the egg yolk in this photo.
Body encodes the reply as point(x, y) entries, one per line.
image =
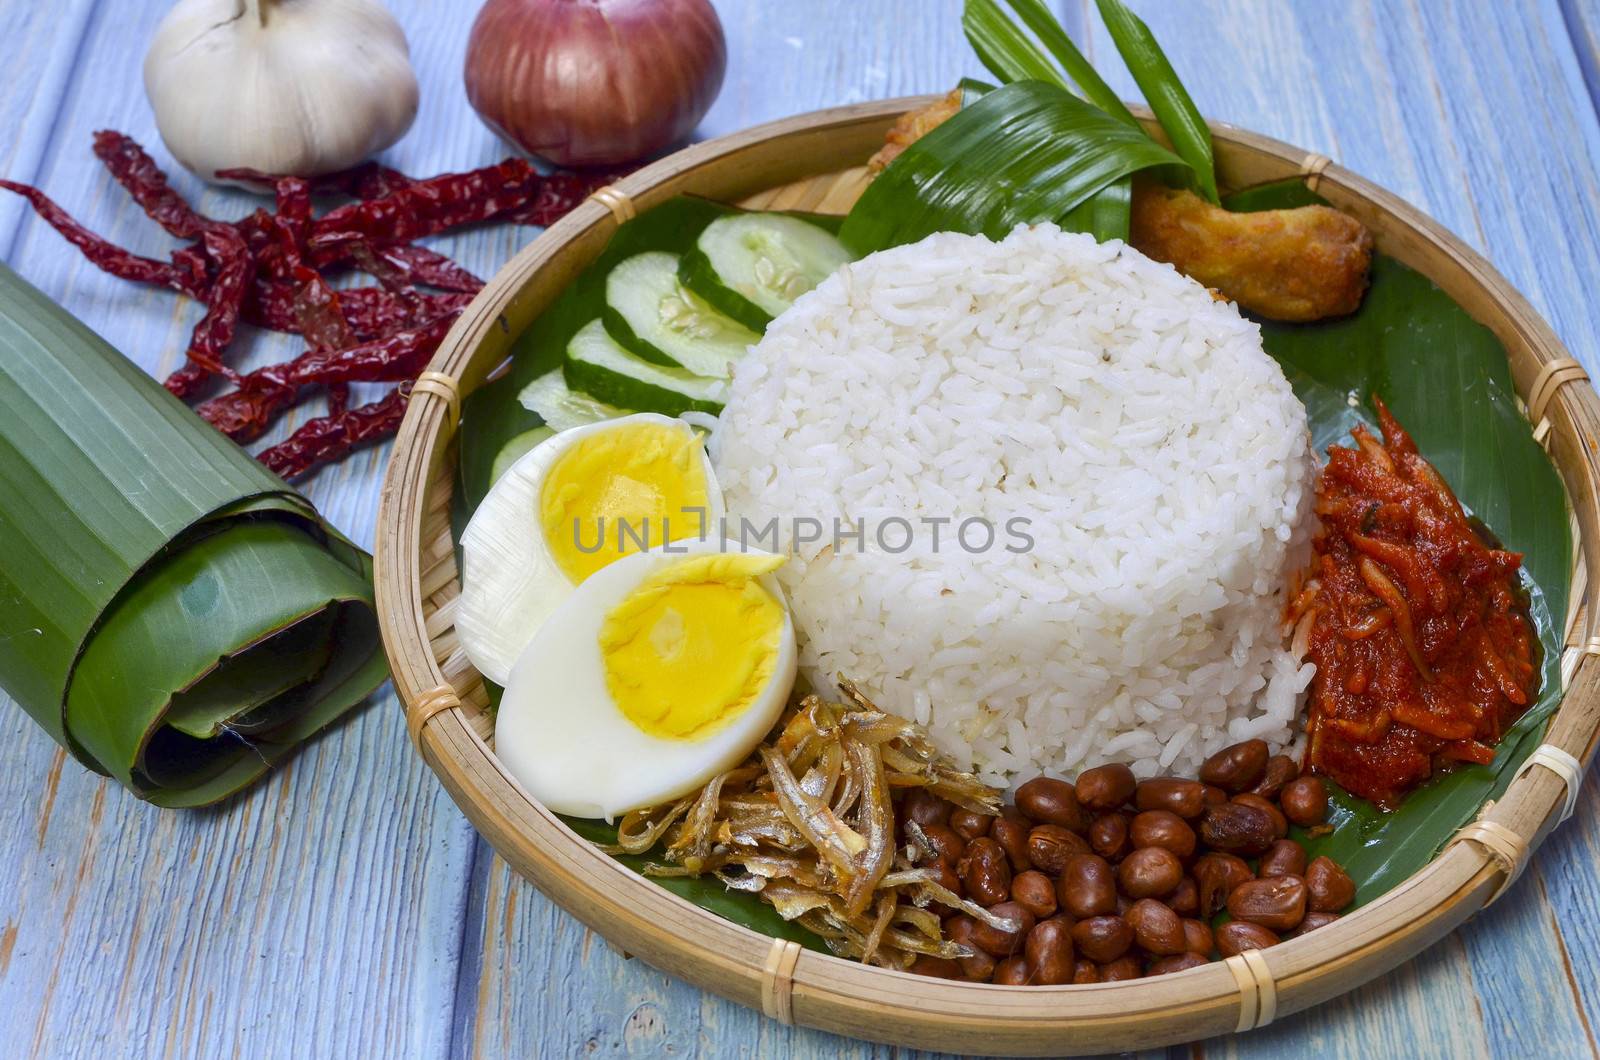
point(694, 645)
point(622, 490)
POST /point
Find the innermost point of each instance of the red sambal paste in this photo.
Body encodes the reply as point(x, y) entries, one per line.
point(1418, 628)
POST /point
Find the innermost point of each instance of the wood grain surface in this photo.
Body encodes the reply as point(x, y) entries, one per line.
point(345, 908)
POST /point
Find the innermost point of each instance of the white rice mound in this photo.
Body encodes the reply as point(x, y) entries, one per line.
point(1158, 451)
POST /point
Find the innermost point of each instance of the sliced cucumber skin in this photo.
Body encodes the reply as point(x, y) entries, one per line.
point(798, 254)
point(516, 448)
point(613, 389)
point(695, 272)
point(637, 286)
point(549, 398)
point(599, 366)
point(628, 339)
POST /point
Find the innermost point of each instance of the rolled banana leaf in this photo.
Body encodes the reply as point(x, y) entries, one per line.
point(171, 612)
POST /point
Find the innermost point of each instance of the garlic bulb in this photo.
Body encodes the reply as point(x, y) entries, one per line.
point(297, 87)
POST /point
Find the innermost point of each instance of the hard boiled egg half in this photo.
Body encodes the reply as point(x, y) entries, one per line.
point(570, 507)
point(657, 673)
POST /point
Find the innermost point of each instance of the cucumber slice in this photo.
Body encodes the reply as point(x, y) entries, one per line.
point(650, 313)
point(515, 449)
point(601, 368)
point(752, 266)
point(562, 408)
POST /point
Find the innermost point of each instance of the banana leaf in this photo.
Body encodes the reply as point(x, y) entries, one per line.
point(1447, 380)
point(170, 612)
point(1180, 119)
point(1007, 52)
point(1023, 153)
point(1011, 55)
point(707, 892)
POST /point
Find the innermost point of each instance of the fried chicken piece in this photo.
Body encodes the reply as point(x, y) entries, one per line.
point(1296, 265)
point(913, 126)
point(1302, 264)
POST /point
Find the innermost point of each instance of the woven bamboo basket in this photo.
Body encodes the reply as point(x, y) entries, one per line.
point(814, 162)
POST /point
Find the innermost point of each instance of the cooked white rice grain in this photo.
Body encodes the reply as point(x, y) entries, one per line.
point(1158, 451)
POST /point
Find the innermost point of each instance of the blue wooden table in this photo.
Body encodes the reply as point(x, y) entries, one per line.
point(345, 908)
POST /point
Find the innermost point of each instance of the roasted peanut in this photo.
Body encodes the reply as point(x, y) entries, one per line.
point(1217, 875)
point(1180, 962)
point(1088, 886)
point(996, 942)
point(1185, 901)
point(1280, 823)
point(1305, 801)
point(1051, 801)
point(1149, 872)
point(1049, 952)
point(1121, 969)
point(1105, 787)
point(1236, 828)
point(925, 808)
point(945, 842)
point(1186, 798)
point(1050, 845)
point(1035, 892)
point(1010, 830)
point(1237, 768)
point(978, 967)
point(1278, 902)
point(1102, 939)
point(1013, 971)
point(1085, 971)
point(1108, 836)
point(1280, 770)
point(1236, 936)
point(1283, 858)
point(938, 967)
point(1162, 828)
point(1215, 796)
point(1156, 928)
point(1330, 887)
point(969, 825)
point(986, 872)
point(1197, 937)
point(1314, 921)
point(945, 875)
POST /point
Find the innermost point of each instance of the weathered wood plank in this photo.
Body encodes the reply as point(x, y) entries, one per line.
point(341, 907)
point(1582, 20)
point(319, 914)
point(39, 44)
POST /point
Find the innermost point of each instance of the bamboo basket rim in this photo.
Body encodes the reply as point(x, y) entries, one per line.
point(416, 583)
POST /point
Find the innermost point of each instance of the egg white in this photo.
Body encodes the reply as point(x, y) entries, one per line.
point(560, 734)
point(510, 581)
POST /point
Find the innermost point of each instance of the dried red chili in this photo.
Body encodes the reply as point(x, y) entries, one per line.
point(328, 438)
point(371, 312)
point(106, 255)
point(245, 413)
point(425, 208)
point(319, 313)
point(560, 193)
point(419, 265)
point(369, 180)
point(137, 172)
point(225, 298)
point(264, 269)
